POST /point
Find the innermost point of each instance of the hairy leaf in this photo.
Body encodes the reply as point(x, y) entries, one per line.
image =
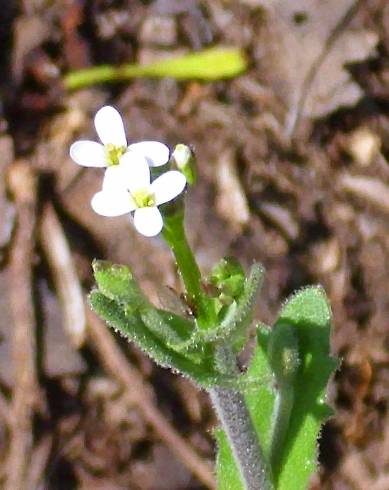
point(117, 283)
point(131, 326)
point(308, 313)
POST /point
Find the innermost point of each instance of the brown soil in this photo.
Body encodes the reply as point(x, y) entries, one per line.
point(311, 203)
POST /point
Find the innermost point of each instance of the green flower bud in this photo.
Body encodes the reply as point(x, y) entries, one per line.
point(228, 277)
point(183, 158)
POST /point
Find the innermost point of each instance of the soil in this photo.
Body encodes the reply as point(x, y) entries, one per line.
point(309, 199)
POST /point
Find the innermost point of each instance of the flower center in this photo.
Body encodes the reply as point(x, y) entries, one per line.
point(143, 198)
point(113, 154)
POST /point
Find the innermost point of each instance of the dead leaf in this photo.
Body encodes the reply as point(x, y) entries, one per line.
point(368, 189)
point(312, 44)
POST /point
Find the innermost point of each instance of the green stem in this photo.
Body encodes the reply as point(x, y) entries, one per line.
point(280, 423)
point(174, 234)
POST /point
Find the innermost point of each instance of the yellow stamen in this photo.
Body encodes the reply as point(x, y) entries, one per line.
point(113, 154)
point(144, 198)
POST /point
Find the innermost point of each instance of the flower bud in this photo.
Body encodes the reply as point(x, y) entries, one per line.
point(184, 160)
point(228, 277)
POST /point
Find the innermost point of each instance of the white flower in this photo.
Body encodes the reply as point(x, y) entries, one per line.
point(130, 189)
point(110, 129)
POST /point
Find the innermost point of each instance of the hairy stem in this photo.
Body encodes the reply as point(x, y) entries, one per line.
point(235, 418)
point(233, 414)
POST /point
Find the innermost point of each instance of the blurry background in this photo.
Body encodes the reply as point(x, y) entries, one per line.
point(294, 172)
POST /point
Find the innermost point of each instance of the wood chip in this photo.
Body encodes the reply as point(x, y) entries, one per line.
point(23, 186)
point(370, 190)
point(66, 280)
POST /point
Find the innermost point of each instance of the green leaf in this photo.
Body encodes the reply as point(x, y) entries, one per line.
point(118, 284)
point(131, 326)
point(246, 305)
point(208, 65)
point(182, 327)
point(227, 473)
point(170, 327)
point(308, 313)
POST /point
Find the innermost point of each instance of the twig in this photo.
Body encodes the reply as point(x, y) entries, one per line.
point(22, 184)
point(5, 410)
point(39, 459)
point(370, 190)
point(138, 395)
point(58, 254)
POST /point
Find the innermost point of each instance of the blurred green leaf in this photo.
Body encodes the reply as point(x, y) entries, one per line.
point(209, 65)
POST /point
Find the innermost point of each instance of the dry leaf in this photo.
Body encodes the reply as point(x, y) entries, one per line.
point(312, 43)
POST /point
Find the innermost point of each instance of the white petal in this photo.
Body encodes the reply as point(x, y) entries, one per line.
point(148, 221)
point(109, 126)
point(112, 203)
point(156, 153)
point(134, 171)
point(113, 179)
point(88, 153)
point(167, 186)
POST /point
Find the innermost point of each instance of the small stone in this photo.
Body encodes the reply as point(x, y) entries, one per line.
point(159, 30)
point(327, 256)
point(363, 145)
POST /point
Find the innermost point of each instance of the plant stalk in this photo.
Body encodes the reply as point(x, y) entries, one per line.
point(174, 234)
point(235, 418)
point(232, 411)
point(229, 403)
